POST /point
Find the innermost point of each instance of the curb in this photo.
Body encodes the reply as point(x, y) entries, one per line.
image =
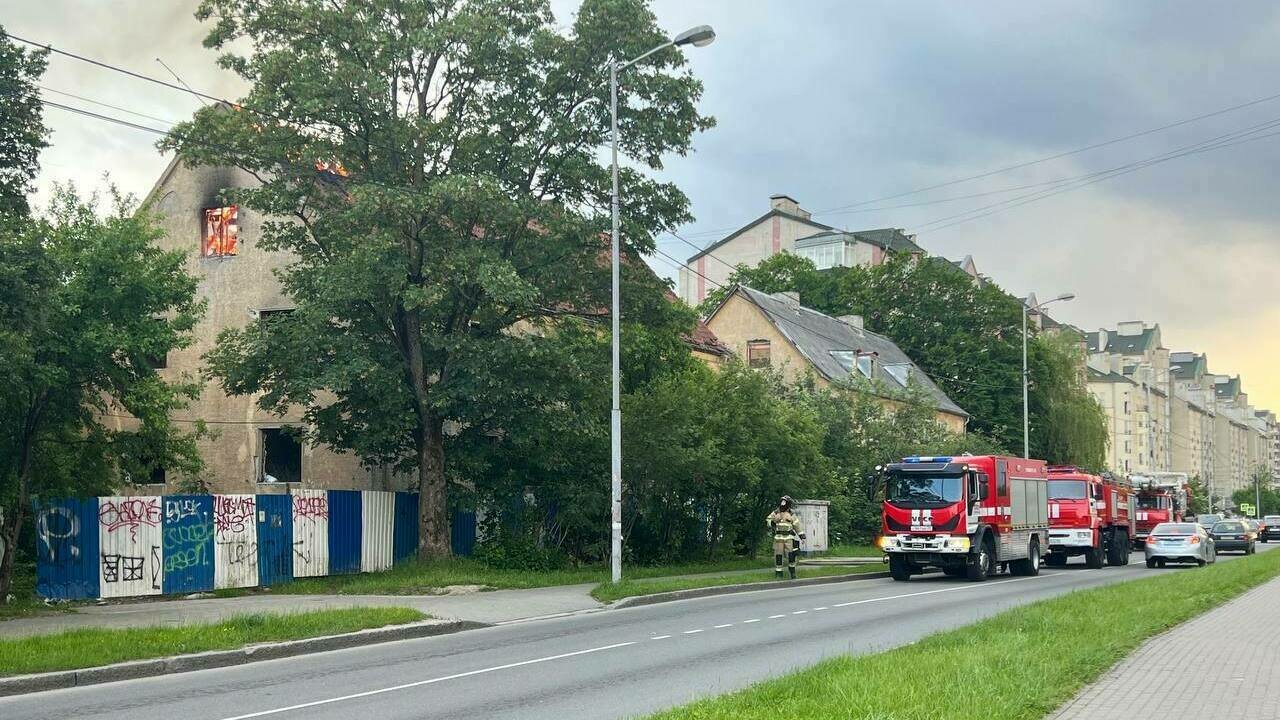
point(22, 684)
point(674, 595)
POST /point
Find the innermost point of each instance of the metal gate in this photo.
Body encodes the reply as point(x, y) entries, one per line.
point(275, 539)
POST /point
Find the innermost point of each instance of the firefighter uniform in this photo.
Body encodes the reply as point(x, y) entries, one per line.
point(786, 537)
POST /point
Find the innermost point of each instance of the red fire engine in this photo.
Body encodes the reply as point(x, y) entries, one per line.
point(1090, 516)
point(970, 515)
point(1162, 497)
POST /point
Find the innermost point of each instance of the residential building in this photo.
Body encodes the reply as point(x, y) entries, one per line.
point(1193, 416)
point(777, 331)
point(1134, 351)
point(787, 227)
point(1233, 461)
point(1118, 396)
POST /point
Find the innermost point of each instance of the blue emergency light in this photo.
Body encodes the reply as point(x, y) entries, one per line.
point(926, 459)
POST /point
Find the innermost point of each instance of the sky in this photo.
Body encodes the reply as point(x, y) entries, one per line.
point(841, 104)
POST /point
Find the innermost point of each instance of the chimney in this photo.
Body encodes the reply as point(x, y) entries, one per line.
point(788, 205)
point(1102, 340)
point(790, 297)
point(1132, 327)
point(851, 320)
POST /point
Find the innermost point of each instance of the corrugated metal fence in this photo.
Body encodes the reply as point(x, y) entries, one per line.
point(122, 546)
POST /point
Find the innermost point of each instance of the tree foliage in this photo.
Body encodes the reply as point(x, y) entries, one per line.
point(22, 131)
point(456, 224)
point(967, 337)
point(86, 304)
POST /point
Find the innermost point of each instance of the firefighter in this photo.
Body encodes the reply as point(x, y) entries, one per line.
point(787, 535)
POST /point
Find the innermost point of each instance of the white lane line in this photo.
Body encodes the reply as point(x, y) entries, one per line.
point(659, 637)
point(718, 627)
point(824, 607)
point(744, 622)
point(799, 612)
point(432, 681)
point(775, 617)
point(934, 592)
point(691, 632)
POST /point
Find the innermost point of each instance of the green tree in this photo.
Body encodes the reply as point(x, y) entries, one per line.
point(1068, 425)
point(1264, 492)
point(22, 131)
point(86, 304)
point(456, 219)
point(1199, 504)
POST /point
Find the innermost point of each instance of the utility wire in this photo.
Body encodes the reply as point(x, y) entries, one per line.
point(105, 105)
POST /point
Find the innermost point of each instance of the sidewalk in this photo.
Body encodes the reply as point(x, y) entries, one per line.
point(486, 607)
point(1223, 664)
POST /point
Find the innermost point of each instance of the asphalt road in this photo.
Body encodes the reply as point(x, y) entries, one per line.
point(610, 664)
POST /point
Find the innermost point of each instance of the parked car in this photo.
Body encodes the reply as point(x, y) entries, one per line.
point(1255, 527)
point(1270, 528)
point(1179, 542)
point(1233, 535)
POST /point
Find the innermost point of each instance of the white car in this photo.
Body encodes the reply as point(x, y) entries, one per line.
point(1179, 542)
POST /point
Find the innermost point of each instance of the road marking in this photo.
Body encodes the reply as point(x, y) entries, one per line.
point(723, 626)
point(744, 622)
point(824, 607)
point(660, 637)
point(799, 612)
point(692, 632)
point(775, 617)
point(934, 592)
point(432, 681)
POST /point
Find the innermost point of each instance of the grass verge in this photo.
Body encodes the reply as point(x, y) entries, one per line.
point(91, 647)
point(1020, 664)
point(426, 577)
point(609, 592)
point(25, 602)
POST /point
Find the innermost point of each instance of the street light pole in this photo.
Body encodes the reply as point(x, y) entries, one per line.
point(699, 36)
point(1026, 374)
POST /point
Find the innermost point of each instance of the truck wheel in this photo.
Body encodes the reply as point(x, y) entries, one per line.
point(1093, 558)
point(899, 568)
point(1055, 559)
point(980, 565)
point(1118, 549)
point(1031, 565)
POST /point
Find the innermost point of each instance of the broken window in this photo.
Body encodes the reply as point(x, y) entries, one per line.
point(221, 232)
point(274, 313)
point(281, 456)
point(758, 353)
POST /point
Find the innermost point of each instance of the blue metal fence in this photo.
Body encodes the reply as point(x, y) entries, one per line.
point(171, 543)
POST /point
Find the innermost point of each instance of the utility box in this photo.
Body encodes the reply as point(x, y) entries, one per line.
point(813, 516)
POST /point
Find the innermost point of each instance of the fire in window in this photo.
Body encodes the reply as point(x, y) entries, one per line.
point(221, 231)
point(758, 353)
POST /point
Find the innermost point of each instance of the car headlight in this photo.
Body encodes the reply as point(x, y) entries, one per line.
point(887, 541)
point(958, 543)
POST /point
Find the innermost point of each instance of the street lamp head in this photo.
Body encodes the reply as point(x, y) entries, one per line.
point(700, 36)
point(1064, 296)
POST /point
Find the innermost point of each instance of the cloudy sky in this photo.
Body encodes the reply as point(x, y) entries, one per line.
point(840, 104)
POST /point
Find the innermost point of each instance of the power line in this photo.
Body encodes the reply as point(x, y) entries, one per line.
point(106, 105)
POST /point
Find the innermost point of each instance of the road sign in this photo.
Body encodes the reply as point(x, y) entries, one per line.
point(1246, 508)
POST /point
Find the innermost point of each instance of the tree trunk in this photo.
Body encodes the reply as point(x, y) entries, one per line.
point(433, 516)
point(11, 527)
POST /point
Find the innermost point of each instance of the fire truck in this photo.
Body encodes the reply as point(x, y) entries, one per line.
point(970, 515)
point(1089, 515)
point(1162, 497)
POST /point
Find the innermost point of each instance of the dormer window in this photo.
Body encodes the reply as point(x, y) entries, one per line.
point(866, 365)
point(221, 236)
point(901, 372)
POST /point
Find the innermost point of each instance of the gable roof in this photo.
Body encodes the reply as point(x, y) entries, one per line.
point(888, 239)
point(1124, 344)
point(772, 213)
point(1100, 376)
point(816, 336)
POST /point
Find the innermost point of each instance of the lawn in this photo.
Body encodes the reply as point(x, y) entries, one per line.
point(609, 592)
point(91, 647)
point(1019, 665)
point(425, 577)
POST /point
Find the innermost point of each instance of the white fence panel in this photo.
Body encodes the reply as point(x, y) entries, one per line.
point(310, 533)
point(235, 538)
point(377, 523)
point(130, 543)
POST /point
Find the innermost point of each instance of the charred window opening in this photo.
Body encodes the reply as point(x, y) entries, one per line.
point(221, 232)
point(758, 352)
point(281, 456)
point(274, 313)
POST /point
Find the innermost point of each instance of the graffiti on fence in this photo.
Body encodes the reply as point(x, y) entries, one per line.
point(131, 513)
point(187, 546)
point(233, 513)
point(236, 548)
point(310, 507)
point(180, 509)
point(59, 530)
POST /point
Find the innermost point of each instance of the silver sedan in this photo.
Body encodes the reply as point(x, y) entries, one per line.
point(1179, 542)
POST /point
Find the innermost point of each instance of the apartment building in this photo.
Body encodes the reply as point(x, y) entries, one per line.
point(1139, 411)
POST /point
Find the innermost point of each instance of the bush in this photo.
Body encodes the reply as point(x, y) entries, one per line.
point(511, 551)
